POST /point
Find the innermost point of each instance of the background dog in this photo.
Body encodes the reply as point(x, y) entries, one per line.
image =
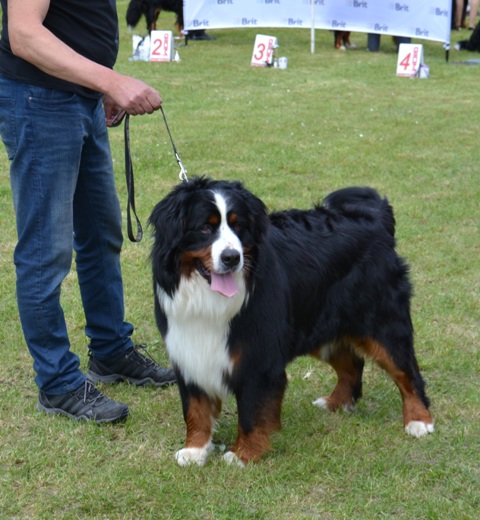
point(342, 40)
point(151, 10)
point(240, 293)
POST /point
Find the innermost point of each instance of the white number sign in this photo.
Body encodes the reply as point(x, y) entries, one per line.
point(263, 50)
point(410, 59)
point(161, 46)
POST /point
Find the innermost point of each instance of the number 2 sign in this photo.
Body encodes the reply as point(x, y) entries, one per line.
point(263, 50)
point(161, 46)
point(410, 59)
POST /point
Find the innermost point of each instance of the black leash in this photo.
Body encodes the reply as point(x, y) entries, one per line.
point(130, 179)
point(130, 187)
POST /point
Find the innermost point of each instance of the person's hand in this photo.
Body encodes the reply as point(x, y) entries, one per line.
point(114, 113)
point(131, 95)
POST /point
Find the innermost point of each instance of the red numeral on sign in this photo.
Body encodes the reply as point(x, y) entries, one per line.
point(261, 49)
point(157, 46)
point(406, 61)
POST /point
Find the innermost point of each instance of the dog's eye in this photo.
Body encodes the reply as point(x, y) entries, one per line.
point(206, 228)
point(237, 227)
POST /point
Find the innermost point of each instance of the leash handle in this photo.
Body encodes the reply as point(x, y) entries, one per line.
point(130, 188)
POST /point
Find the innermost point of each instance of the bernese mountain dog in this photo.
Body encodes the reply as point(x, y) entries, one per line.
point(239, 293)
point(151, 9)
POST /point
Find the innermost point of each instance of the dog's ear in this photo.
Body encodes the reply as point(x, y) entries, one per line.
point(259, 220)
point(167, 219)
point(168, 222)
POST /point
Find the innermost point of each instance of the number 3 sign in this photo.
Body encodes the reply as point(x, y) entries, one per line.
point(161, 47)
point(410, 59)
point(263, 50)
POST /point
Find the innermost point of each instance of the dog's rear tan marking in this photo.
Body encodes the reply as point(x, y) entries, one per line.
point(349, 374)
point(413, 407)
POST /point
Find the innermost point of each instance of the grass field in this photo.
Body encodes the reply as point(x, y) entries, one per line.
point(330, 120)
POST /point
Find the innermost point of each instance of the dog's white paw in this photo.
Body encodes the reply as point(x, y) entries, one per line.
point(321, 402)
point(230, 458)
point(187, 456)
point(419, 428)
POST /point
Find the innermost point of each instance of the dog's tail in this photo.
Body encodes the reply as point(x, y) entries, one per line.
point(362, 202)
point(134, 13)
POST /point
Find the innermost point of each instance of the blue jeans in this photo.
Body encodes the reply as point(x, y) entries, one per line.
point(65, 200)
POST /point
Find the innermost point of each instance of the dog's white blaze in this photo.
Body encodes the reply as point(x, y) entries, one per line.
point(198, 328)
point(227, 238)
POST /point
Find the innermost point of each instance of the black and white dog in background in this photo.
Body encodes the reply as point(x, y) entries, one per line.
point(240, 293)
point(151, 10)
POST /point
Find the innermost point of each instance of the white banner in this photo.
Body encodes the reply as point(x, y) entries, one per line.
point(423, 19)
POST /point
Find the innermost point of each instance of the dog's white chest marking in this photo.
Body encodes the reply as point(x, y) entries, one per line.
point(198, 329)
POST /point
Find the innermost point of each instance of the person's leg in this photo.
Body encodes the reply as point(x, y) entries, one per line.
point(45, 156)
point(373, 42)
point(473, 14)
point(398, 40)
point(458, 13)
point(97, 242)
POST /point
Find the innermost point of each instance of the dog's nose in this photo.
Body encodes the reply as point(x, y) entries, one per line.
point(230, 258)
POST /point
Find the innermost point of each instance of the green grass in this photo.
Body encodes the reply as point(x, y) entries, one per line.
point(331, 119)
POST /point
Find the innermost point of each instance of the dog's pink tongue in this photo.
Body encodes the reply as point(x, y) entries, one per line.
point(224, 284)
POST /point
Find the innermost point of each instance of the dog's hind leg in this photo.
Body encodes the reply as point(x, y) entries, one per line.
point(349, 369)
point(259, 415)
point(404, 371)
point(200, 412)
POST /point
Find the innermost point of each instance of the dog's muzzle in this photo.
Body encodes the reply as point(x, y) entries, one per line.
point(222, 282)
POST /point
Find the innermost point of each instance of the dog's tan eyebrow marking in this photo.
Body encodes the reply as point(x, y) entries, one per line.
point(232, 218)
point(213, 219)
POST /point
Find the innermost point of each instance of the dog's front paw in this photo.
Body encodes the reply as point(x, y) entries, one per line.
point(230, 458)
point(197, 456)
point(419, 428)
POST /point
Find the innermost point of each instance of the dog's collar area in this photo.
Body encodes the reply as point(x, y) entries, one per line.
point(204, 272)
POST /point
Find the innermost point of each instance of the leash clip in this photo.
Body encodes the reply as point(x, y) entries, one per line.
point(183, 171)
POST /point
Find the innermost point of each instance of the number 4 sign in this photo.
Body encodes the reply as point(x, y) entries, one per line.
point(263, 50)
point(410, 59)
point(161, 46)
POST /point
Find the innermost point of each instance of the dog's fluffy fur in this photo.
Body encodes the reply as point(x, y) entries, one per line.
point(151, 10)
point(240, 293)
